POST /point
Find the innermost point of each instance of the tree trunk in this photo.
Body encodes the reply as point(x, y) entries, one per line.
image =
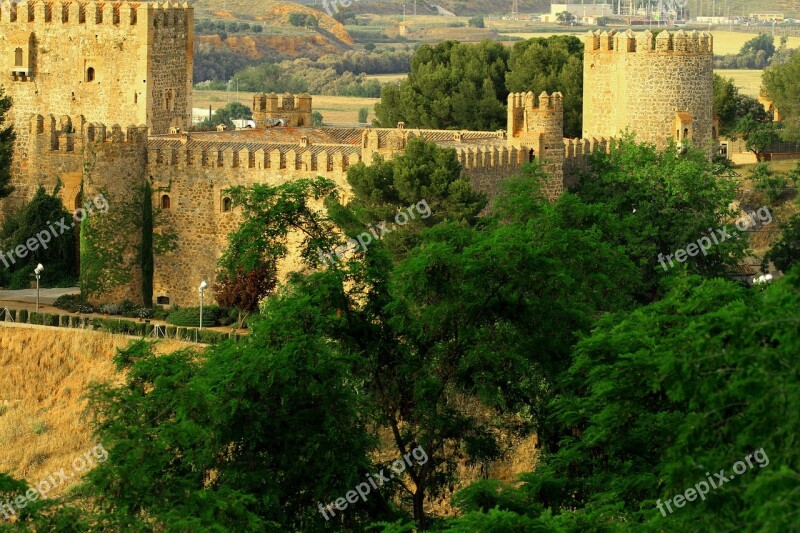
point(419, 509)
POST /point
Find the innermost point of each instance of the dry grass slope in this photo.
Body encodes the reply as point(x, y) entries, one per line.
point(44, 373)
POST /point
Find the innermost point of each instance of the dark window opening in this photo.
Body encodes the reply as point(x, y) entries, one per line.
point(165, 202)
point(90, 75)
point(162, 300)
point(531, 156)
point(227, 204)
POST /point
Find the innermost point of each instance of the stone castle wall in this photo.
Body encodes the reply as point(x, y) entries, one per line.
point(107, 160)
point(642, 82)
point(141, 68)
point(108, 62)
point(195, 179)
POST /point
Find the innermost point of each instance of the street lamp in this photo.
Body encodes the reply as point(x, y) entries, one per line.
point(38, 272)
point(202, 288)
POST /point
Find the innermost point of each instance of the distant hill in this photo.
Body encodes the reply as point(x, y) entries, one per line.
point(471, 7)
point(280, 38)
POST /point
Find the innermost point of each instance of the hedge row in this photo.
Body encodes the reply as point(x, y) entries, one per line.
point(123, 327)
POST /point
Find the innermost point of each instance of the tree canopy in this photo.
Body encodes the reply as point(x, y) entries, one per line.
point(465, 86)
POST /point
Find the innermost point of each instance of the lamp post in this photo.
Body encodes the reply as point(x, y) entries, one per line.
point(38, 272)
point(202, 288)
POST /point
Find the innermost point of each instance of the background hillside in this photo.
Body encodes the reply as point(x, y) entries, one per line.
point(471, 7)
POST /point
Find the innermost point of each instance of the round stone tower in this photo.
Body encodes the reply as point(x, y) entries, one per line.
point(658, 87)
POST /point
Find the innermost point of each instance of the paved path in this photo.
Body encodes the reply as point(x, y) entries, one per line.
point(46, 296)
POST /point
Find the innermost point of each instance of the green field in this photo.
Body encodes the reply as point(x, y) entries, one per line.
point(749, 81)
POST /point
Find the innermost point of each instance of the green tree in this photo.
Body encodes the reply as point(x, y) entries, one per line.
point(226, 115)
point(363, 114)
point(661, 202)
point(298, 19)
point(451, 85)
point(763, 43)
point(228, 436)
point(146, 252)
point(477, 22)
point(317, 119)
point(759, 135)
point(57, 252)
point(771, 183)
point(551, 64)
point(780, 82)
point(565, 17)
point(7, 137)
point(786, 252)
point(630, 425)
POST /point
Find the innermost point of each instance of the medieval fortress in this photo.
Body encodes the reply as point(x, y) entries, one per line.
point(102, 101)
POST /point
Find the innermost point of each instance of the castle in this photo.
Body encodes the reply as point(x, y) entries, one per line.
point(106, 86)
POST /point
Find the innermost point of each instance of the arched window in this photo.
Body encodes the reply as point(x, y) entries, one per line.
point(227, 204)
point(165, 202)
point(686, 133)
point(531, 156)
point(90, 74)
point(713, 133)
point(18, 57)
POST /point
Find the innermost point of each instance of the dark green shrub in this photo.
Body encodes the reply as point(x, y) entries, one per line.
point(171, 332)
point(23, 316)
point(212, 337)
point(73, 303)
point(190, 316)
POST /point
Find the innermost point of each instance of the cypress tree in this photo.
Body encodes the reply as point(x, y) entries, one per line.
point(146, 254)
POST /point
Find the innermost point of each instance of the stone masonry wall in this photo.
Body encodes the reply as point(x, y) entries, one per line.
point(641, 82)
point(196, 212)
point(98, 60)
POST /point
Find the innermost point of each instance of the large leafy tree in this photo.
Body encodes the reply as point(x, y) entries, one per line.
point(666, 397)
point(780, 82)
point(661, 202)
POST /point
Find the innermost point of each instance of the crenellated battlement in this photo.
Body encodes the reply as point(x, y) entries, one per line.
point(94, 13)
point(67, 135)
point(323, 160)
point(581, 148)
point(490, 157)
point(665, 42)
point(546, 103)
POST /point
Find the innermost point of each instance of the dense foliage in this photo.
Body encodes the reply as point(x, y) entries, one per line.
point(780, 85)
point(466, 86)
point(755, 54)
point(456, 334)
point(6, 146)
point(57, 252)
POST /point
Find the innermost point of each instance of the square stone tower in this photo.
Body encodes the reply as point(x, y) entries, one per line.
point(112, 62)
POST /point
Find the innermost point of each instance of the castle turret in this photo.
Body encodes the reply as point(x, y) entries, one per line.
point(646, 84)
point(538, 131)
